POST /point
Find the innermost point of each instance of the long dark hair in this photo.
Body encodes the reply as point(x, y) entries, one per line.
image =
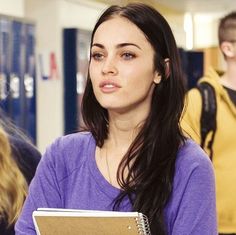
point(152, 155)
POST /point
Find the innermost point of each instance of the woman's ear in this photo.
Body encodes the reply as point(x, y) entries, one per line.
point(167, 67)
point(157, 78)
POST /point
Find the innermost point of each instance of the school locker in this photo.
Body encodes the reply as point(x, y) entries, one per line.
point(4, 63)
point(17, 50)
point(29, 80)
point(193, 66)
point(17, 73)
point(76, 46)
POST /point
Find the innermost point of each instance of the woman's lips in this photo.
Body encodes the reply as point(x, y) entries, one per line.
point(109, 86)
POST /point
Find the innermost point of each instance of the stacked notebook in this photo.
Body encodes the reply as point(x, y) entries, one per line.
point(50, 221)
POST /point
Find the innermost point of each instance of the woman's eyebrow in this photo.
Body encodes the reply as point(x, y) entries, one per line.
point(98, 45)
point(120, 45)
point(127, 44)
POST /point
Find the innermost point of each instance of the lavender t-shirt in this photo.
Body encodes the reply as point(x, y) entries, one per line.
point(68, 177)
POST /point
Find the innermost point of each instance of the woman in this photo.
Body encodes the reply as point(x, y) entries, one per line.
point(134, 156)
point(18, 162)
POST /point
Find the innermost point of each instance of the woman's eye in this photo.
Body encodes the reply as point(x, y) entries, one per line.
point(97, 56)
point(128, 56)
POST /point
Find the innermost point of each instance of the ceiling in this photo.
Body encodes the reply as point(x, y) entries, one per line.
point(193, 6)
point(200, 6)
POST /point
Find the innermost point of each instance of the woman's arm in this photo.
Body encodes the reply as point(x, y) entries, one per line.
point(43, 192)
point(192, 208)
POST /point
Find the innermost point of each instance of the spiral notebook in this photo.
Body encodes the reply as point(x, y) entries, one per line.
point(50, 221)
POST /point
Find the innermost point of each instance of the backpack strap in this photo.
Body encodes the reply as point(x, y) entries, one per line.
point(208, 114)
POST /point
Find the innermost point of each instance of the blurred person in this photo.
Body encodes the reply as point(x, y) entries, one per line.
point(133, 155)
point(222, 148)
point(18, 162)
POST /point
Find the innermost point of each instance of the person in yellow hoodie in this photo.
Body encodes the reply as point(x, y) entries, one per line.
point(224, 146)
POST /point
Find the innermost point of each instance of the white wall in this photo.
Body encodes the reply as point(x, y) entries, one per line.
point(180, 35)
point(79, 13)
point(176, 22)
point(12, 7)
point(205, 29)
point(49, 92)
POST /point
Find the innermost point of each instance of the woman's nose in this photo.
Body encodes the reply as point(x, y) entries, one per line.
point(109, 66)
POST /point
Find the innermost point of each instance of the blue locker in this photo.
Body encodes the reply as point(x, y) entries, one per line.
point(195, 67)
point(16, 83)
point(192, 64)
point(76, 47)
point(4, 63)
point(18, 73)
point(30, 82)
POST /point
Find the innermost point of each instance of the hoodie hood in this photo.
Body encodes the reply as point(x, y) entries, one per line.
point(213, 78)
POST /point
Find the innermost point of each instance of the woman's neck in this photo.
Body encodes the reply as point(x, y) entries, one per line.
point(122, 131)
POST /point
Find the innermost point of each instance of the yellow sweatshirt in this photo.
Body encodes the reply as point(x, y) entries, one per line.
point(224, 147)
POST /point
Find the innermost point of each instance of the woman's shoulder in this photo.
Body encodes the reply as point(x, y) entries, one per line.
point(71, 142)
point(193, 173)
point(191, 157)
point(69, 152)
point(193, 180)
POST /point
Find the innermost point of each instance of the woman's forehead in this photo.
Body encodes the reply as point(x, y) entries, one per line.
point(119, 30)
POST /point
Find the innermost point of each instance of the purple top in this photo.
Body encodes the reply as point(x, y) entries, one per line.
point(68, 177)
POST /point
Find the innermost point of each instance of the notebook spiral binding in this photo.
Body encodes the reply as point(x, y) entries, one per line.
point(143, 225)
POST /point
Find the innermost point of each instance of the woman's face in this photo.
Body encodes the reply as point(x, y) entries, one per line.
point(121, 67)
